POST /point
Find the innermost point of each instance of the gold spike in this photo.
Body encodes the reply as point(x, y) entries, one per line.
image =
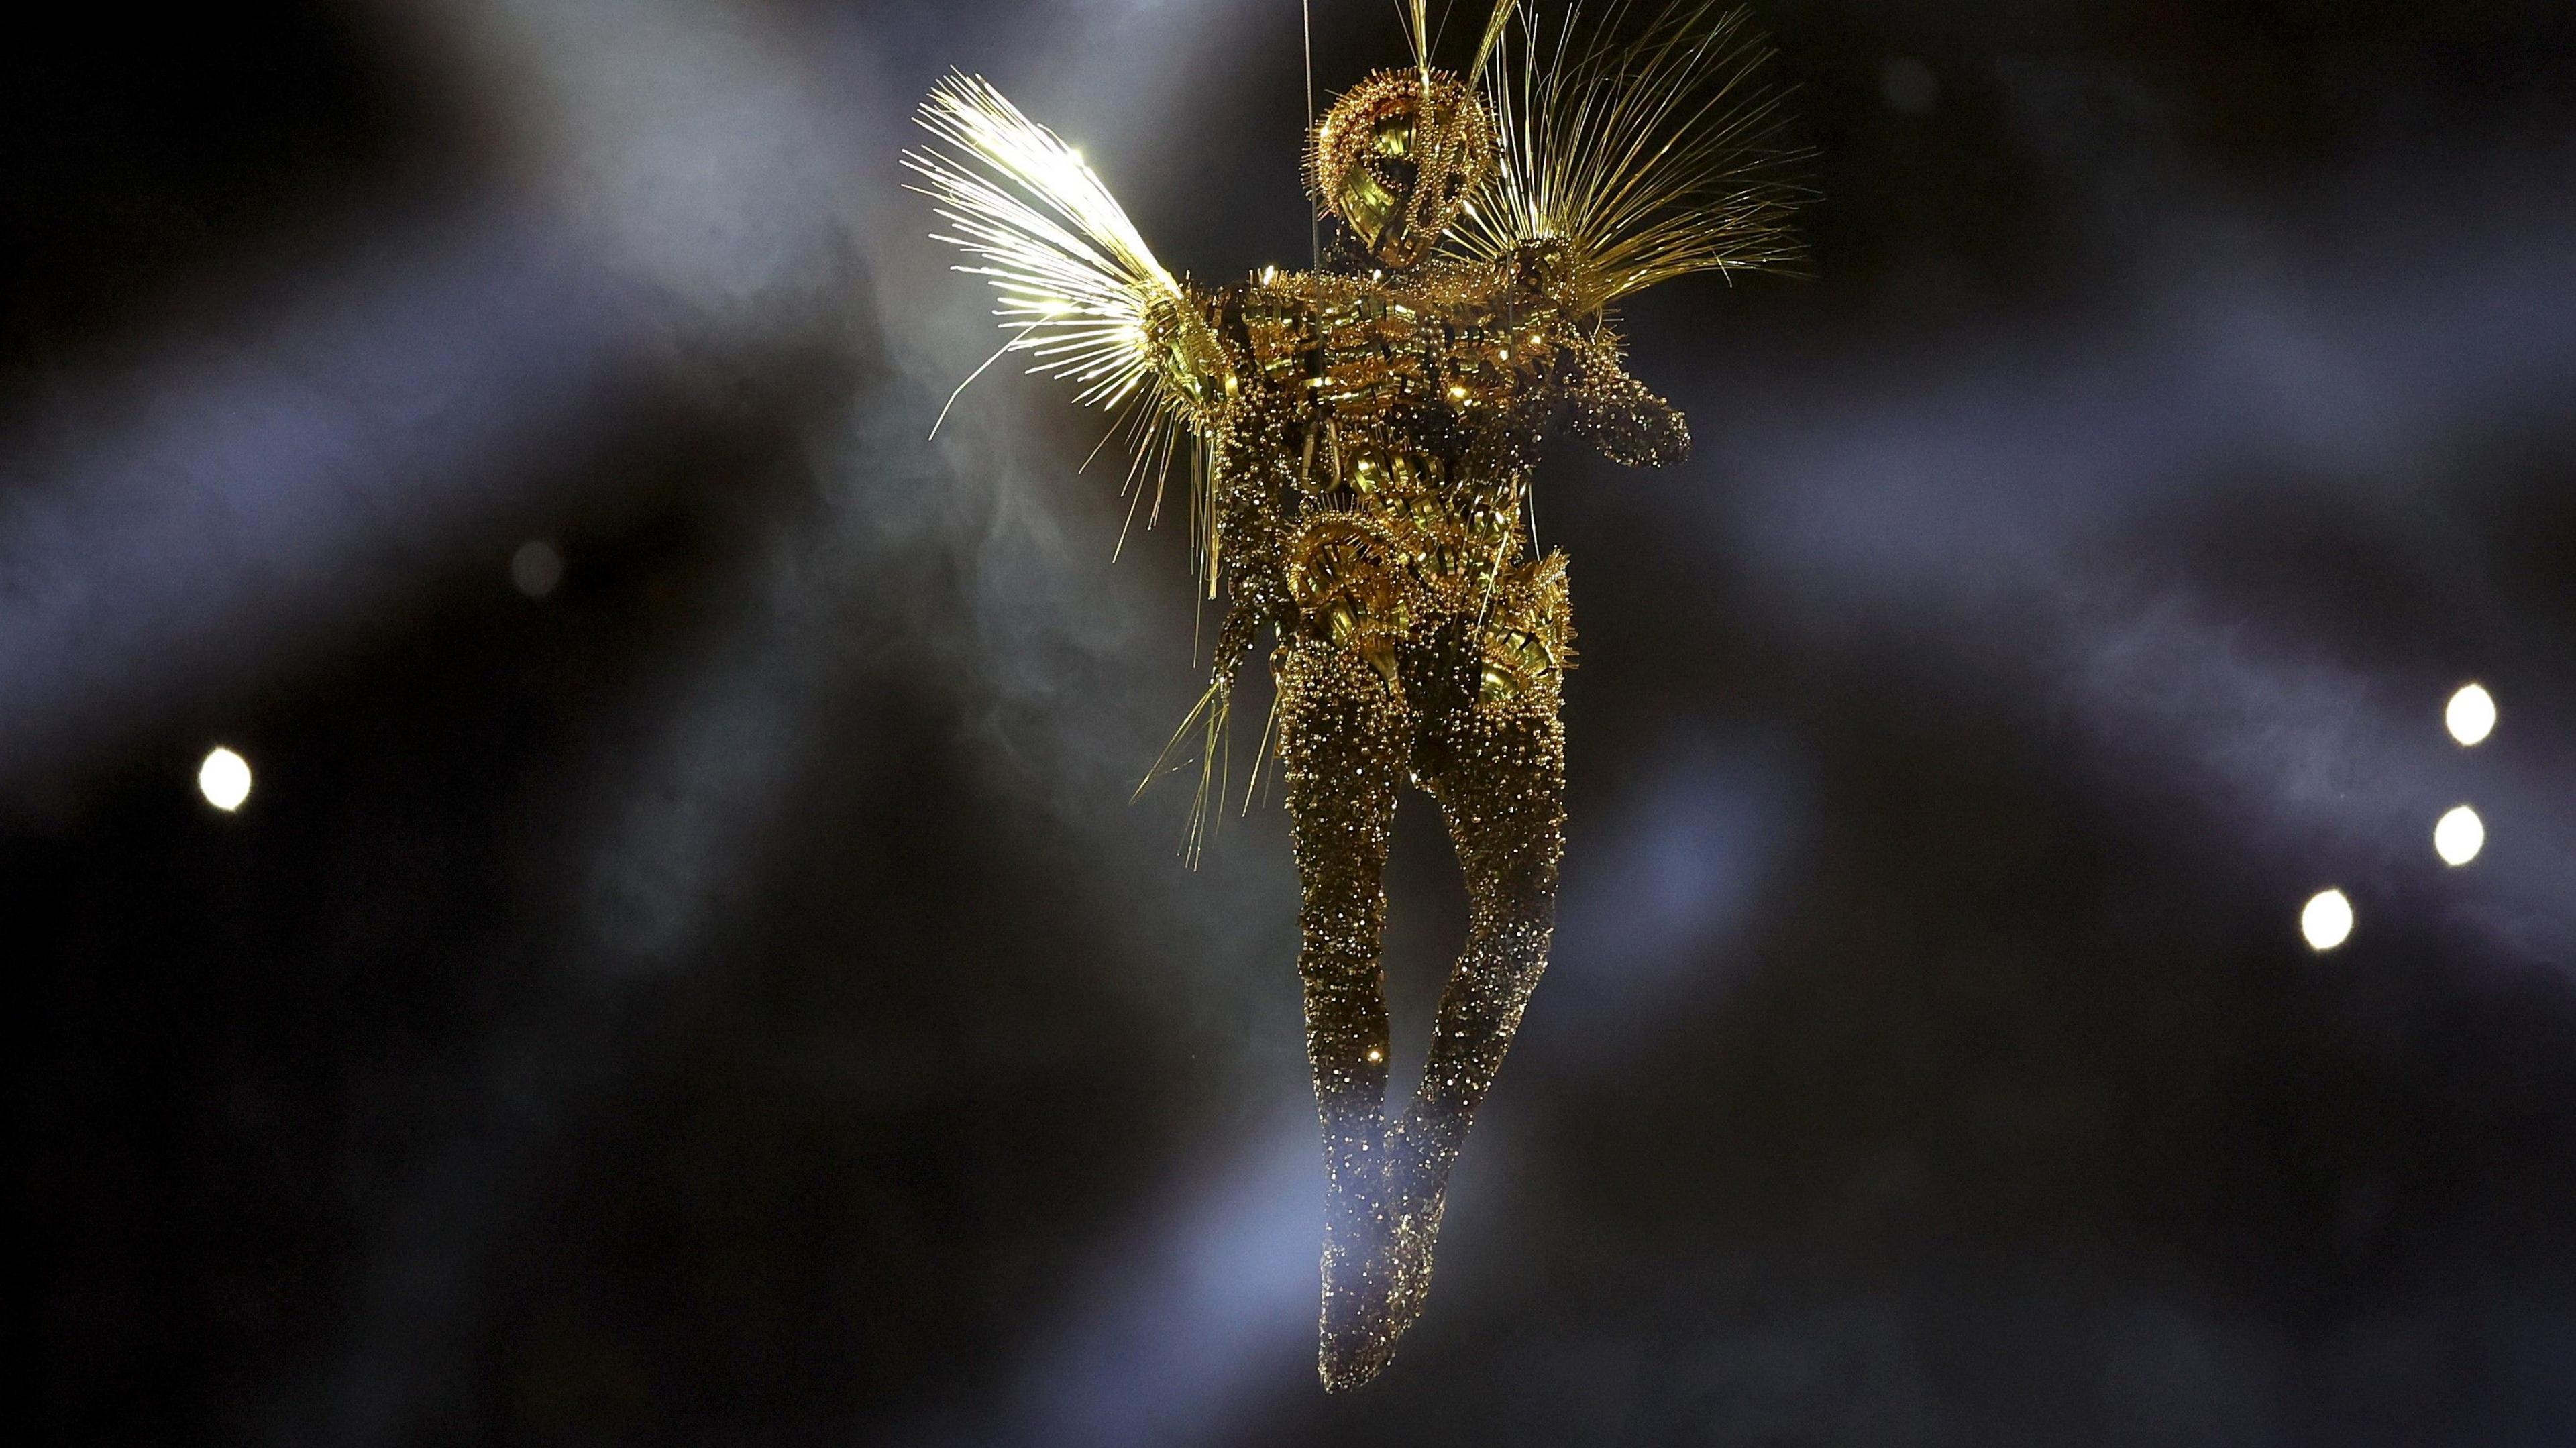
point(1493, 35)
point(1079, 291)
point(1650, 157)
point(1213, 715)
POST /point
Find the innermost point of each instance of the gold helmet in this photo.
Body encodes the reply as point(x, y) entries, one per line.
point(1399, 154)
point(1397, 157)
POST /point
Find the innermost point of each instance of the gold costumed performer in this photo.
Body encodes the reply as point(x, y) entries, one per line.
point(1362, 439)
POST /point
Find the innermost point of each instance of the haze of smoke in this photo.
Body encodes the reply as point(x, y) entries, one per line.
point(195, 526)
point(702, 175)
point(1051, 650)
point(1998, 513)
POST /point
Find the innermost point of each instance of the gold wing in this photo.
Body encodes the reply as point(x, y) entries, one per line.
point(1079, 291)
point(1650, 150)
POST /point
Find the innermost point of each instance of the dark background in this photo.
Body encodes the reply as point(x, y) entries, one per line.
point(729, 999)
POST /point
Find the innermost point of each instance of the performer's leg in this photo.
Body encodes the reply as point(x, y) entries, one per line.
point(1345, 735)
point(1498, 770)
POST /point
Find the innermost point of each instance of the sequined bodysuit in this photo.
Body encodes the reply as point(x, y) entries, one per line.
point(1364, 436)
point(1375, 438)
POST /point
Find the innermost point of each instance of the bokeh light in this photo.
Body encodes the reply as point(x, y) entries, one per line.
point(1908, 85)
point(224, 779)
point(2471, 715)
point(2327, 922)
point(536, 568)
point(2459, 835)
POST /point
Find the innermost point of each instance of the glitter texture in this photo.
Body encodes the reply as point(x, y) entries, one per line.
point(1365, 436)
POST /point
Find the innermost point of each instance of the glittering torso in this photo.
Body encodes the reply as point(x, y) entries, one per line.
point(1373, 468)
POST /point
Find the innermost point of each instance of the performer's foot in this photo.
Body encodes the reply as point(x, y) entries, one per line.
point(1382, 1222)
point(1417, 1231)
point(1355, 1338)
point(1418, 1162)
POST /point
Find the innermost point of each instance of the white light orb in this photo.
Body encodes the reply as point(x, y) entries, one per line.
point(2459, 835)
point(2471, 715)
point(536, 568)
point(224, 779)
point(2327, 922)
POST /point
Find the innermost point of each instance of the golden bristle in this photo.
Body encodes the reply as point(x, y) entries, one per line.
point(1650, 158)
point(1494, 26)
point(1080, 292)
point(1416, 15)
point(1078, 286)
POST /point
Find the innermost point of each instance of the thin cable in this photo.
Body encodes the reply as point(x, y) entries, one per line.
point(1314, 224)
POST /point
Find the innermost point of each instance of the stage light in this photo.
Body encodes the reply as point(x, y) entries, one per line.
point(536, 568)
point(2471, 715)
point(2459, 836)
point(224, 779)
point(2327, 922)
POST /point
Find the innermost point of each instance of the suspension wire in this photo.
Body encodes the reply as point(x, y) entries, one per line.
point(1314, 223)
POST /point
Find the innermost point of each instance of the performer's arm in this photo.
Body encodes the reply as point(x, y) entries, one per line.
point(1612, 410)
point(1615, 412)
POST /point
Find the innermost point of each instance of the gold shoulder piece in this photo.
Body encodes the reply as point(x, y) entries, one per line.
point(1647, 152)
point(1080, 291)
